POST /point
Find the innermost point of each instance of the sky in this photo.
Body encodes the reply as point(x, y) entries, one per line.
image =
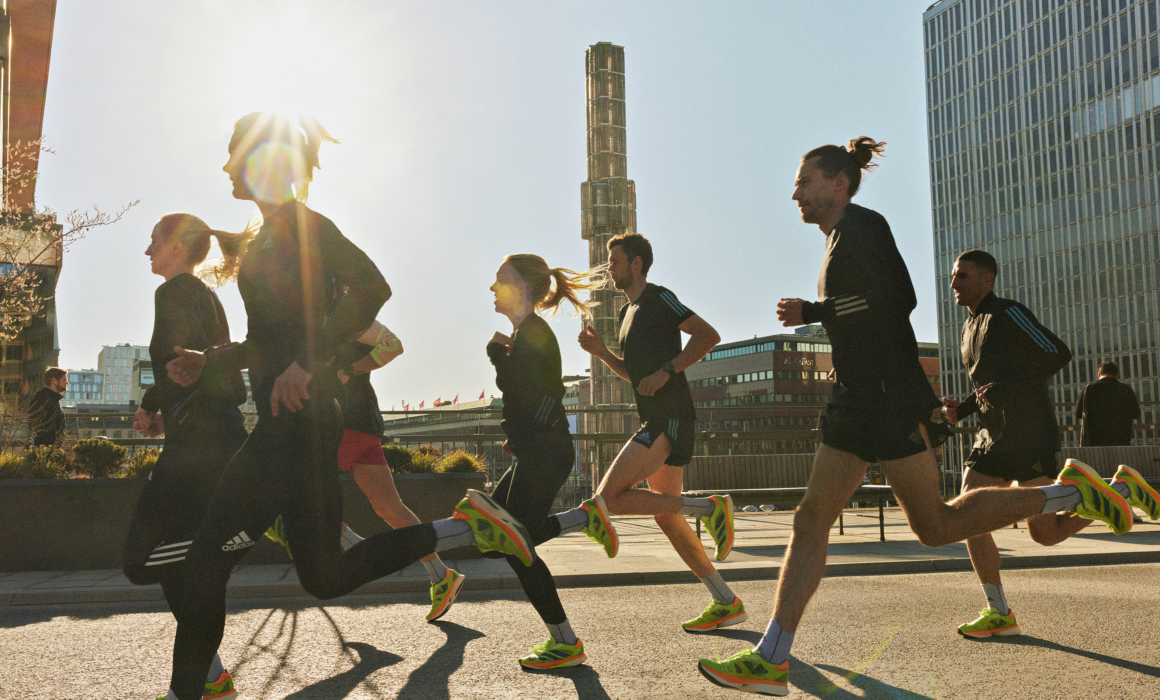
point(463, 140)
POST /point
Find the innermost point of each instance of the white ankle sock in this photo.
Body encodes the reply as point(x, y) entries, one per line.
point(718, 588)
point(451, 533)
point(1060, 498)
point(574, 520)
point(775, 644)
point(216, 669)
point(349, 538)
point(996, 598)
point(562, 632)
point(696, 506)
point(436, 569)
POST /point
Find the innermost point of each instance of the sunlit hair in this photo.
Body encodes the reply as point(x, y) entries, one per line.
point(852, 160)
point(1107, 369)
point(278, 155)
point(550, 286)
point(52, 374)
point(635, 246)
point(195, 235)
point(982, 260)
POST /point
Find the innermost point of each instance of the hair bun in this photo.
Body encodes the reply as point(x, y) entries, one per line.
point(863, 149)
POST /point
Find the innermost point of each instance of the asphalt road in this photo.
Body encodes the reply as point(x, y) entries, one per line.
point(1088, 631)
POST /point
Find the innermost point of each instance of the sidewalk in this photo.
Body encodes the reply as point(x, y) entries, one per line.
point(646, 558)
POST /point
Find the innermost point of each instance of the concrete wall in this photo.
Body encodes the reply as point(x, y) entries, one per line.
point(77, 524)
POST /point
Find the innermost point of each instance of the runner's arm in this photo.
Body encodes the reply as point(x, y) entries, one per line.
point(702, 339)
point(387, 347)
point(1039, 353)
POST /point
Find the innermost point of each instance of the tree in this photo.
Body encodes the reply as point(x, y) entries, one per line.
point(31, 241)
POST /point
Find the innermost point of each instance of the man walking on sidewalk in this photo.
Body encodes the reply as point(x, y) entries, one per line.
point(650, 336)
point(1106, 409)
point(881, 410)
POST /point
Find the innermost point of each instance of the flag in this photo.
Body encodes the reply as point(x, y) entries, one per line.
point(406, 407)
point(481, 394)
point(455, 400)
point(437, 402)
point(422, 402)
point(392, 407)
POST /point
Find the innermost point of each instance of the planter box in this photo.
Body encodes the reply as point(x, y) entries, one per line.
point(78, 524)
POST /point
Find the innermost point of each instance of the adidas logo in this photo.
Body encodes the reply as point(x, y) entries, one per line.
point(240, 541)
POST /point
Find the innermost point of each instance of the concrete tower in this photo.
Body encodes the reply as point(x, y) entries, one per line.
point(607, 200)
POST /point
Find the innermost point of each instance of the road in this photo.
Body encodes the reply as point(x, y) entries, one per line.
point(1087, 631)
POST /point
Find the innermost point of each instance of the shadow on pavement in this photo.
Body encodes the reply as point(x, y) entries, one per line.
point(369, 660)
point(818, 685)
point(22, 615)
point(585, 678)
point(1024, 640)
point(750, 636)
point(431, 680)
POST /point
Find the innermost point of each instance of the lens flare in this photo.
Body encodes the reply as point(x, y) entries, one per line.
point(274, 172)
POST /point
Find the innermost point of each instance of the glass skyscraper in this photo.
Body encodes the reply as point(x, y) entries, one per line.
point(1044, 138)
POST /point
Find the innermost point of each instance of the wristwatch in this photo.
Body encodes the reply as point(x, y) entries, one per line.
point(668, 367)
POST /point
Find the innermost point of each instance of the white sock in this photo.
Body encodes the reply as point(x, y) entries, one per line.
point(574, 520)
point(562, 632)
point(216, 669)
point(996, 598)
point(436, 569)
point(172, 695)
point(349, 539)
point(452, 533)
point(775, 644)
point(696, 506)
point(1060, 498)
point(718, 588)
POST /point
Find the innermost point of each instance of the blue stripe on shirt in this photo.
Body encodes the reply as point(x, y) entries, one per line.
point(1029, 328)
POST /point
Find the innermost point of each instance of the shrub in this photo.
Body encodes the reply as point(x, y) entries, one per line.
point(98, 457)
point(141, 463)
point(430, 450)
point(398, 458)
point(423, 463)
point(42, 462)
point(461, 461)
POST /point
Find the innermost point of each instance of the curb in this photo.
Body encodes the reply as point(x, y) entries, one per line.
point(292, 589)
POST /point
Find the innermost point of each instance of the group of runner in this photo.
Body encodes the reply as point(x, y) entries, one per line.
point(311, 299)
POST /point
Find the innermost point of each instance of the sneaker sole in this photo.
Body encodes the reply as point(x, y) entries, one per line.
point(1097, 482)
point(450, 600)
point(563, 663)
point(500, 518)
point(606, 521)
point(735, 619)
point(1004, 632)
point(1138, 478)
point(745, 685)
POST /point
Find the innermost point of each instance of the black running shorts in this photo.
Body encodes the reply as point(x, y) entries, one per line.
point(679, 432)
point(877, 432)
point(1013, 465)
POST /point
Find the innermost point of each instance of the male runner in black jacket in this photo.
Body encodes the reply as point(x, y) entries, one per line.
point(881, 410)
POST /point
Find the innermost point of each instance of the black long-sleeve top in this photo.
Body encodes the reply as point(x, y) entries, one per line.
point(293, 271)
point(360, 404)
point(188, 314)
point(45, 417)
point(865, 299)
point(531, 381)
point(1004, 345)
point(1106, 410)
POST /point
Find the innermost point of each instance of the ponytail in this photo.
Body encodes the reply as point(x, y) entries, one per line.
point(550, 287)
point(858, 155)
point(195, 235)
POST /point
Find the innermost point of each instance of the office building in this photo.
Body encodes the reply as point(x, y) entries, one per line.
point(1043, 142)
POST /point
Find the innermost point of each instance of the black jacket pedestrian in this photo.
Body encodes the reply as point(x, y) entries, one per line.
point(1004, 345)
point(45, 418)
point(1106, 410)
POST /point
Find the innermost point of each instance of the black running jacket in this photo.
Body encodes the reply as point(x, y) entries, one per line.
point(1004, 345)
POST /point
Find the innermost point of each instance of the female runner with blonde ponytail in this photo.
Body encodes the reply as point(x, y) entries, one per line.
point(528, 372)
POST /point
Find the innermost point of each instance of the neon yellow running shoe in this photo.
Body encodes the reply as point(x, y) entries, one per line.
point(495, 530)
point(277, 533)
point(748, 672)
point(718, 614)
point(991, 622)
point(719, 523)
point(1100, 501)
point(221, 689)
point(1140, 493)
point(600, 528)
point(444, 593)
point(553, 654)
